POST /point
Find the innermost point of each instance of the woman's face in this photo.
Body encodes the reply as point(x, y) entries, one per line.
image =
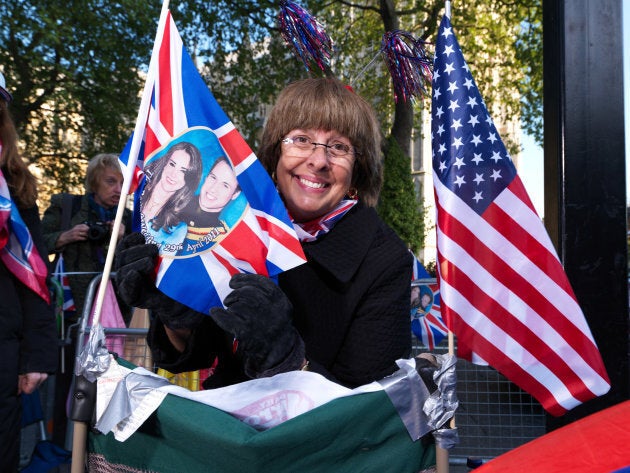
point(109, 186)
point(174, 173)
point(310, 183)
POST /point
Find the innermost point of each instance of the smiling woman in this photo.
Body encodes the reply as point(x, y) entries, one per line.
point(171, 181)
point(345, 312)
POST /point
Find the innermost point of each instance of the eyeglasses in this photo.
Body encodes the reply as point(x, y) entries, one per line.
point(304, 147)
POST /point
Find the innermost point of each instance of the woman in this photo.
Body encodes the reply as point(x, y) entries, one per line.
point(171, 184)
point(28, 332)
point(85, 241)
point(344, 313)
point(81, 234)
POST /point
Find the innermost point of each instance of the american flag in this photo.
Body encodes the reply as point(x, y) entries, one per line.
point(504, 292)
point(17, 250)
point(263, 241)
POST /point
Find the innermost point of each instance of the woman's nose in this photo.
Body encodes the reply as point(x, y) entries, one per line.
point(319, 157)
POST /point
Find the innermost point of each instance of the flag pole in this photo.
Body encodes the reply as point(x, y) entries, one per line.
point(80, 430)
point(441, 454)
point(131, 164)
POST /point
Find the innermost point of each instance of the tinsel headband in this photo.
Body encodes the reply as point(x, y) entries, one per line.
point(407, 60)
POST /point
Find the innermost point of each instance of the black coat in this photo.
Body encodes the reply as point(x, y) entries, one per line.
point(350, 301)
point(28, 344)
point(81, 256)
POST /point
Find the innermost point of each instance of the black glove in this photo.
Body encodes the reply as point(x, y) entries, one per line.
point(426, 366)
point(259, 315)
point(135, 266)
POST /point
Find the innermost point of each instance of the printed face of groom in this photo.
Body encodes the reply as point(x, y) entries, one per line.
point(219, 188)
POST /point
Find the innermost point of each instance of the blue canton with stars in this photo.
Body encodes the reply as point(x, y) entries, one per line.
point(468, 155)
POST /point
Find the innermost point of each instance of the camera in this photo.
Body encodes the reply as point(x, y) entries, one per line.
point(97, 231)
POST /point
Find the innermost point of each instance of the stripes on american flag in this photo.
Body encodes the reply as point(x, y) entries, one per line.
point(17, 250)
point(504, 292)
point(263, 241)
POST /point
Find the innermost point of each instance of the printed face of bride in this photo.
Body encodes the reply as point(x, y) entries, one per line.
point(173, 175)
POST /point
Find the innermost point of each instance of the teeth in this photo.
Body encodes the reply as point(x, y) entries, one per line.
point(314, 185)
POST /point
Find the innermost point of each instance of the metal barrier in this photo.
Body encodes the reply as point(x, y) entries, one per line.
point(494, 415)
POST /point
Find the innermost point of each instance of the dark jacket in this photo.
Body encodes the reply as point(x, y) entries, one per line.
point(350, 301)
point(28, 344)
point(83, 256)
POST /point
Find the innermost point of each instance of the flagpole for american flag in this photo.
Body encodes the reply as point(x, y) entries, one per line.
point(441, 454)
point(79, 437)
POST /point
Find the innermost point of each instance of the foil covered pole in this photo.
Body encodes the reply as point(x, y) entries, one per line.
point(441, 406)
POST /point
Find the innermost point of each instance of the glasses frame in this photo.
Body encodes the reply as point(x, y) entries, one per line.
point(329, 150)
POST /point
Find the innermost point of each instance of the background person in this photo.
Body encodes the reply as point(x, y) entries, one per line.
point(171, 184)
point(345, 313)
point(28, 331)
point(83, 244)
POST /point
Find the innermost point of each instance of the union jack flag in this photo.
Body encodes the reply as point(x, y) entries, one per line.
point(17, 250)
point(426, 318)
point(419, 271)
point(62, 277)
point(504, 292)
point(262, 239)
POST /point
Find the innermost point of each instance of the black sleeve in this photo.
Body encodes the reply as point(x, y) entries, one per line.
point(39, 346)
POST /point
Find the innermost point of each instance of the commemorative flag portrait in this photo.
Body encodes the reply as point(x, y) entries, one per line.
point(426, 318)
point(201, 195)
point(504, 292)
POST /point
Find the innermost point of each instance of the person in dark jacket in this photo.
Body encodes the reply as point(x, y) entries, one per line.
point(83, 243)
point(28, 331)
point(343, 314)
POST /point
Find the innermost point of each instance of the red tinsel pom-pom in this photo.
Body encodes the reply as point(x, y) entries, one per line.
point(409, 64)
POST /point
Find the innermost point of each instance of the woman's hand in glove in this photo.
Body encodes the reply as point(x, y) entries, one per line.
point(260, 316)
point(135, 268)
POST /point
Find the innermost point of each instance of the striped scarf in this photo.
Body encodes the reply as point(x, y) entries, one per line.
point(311, 231)
point(17, 250)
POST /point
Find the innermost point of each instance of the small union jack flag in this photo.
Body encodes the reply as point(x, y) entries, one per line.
point(426, 317)
point(62, 277)
point(261, 238)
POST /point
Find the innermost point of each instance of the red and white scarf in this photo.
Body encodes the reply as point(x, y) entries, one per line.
point(311, 231)
point(17, 250)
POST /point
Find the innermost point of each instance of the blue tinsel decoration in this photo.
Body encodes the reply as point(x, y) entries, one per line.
point(409, 64)
point(306, 35)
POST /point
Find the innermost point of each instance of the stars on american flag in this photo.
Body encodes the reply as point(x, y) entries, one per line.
point(494, 254)
point(471, 158)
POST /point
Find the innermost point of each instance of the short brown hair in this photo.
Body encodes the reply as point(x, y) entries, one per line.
point(95, 169)
point(327, 104)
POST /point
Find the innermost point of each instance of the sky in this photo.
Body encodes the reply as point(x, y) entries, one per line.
point(530, 167)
